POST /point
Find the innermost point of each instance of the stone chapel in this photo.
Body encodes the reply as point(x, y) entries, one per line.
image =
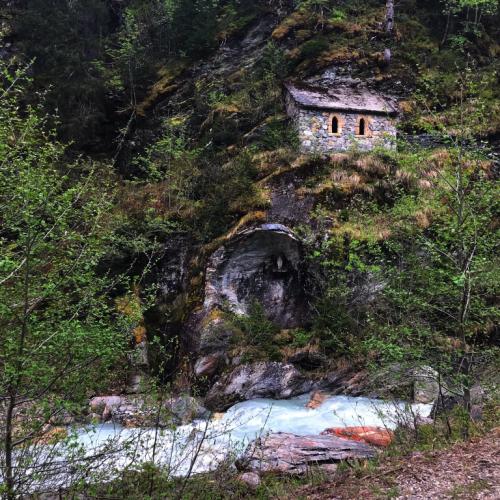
point(336, 118)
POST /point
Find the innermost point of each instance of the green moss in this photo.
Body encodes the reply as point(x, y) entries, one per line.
point(312, 48)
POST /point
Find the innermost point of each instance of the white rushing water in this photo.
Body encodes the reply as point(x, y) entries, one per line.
point(203, 445)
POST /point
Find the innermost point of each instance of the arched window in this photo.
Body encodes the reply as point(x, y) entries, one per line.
point(362, 126)
point(335, 125)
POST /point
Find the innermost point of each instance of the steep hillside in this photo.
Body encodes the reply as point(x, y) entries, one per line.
point(192, 97)
point(225, 262)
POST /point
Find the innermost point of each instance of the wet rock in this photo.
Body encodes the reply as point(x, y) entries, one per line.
point(102, 405)
point(138, 412)
point(284, 453)
point(185, 409)
point(131, 413)
point(256, 380)
point(317, 399)
point(375, 436)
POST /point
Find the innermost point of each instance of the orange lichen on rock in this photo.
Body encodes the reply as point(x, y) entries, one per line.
point(139, 334)
point(375, 436)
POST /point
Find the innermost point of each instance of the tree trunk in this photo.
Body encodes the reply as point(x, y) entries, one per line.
point(9, 469)
point(387, 56)
point(446, 30)
point(389, 27)
point(389, 16)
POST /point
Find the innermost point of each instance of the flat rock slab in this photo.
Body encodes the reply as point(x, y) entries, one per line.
point(375, 436)
point(284, 453)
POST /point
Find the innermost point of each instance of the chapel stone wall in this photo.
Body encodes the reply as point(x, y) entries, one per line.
point(315, 133)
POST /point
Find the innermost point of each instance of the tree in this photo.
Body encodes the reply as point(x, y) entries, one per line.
point(64, 39)
point(434, 279)
point(58, 326)
point(389, 27)
point(441, 294)
point(471, 12)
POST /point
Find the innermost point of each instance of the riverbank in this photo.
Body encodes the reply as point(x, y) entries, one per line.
point(465, 470)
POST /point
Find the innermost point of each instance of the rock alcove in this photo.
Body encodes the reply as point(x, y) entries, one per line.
point(259, 265)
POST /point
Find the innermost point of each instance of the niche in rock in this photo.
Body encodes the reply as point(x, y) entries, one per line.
point(259, 265)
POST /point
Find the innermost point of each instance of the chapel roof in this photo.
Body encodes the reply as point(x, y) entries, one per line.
point(340, 98)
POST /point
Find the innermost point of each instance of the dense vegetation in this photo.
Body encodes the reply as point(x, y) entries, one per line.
point(118, 134)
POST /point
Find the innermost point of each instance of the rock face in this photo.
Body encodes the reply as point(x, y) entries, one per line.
point(207, 366)
point(284, 453)
point(256, 380)
point(263, 265)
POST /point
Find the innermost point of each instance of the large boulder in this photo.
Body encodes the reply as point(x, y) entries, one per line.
point(184, 409)
point(257, 380)
point(284, 453)
point(103, 406)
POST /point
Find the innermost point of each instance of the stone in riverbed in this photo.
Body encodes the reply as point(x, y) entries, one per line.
point(375, 436)
point(257, 380)
point(103, 406)
point(99, 403)
point(185, 409)
point(139, 412)
point(317, 399)
point(283, 453)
